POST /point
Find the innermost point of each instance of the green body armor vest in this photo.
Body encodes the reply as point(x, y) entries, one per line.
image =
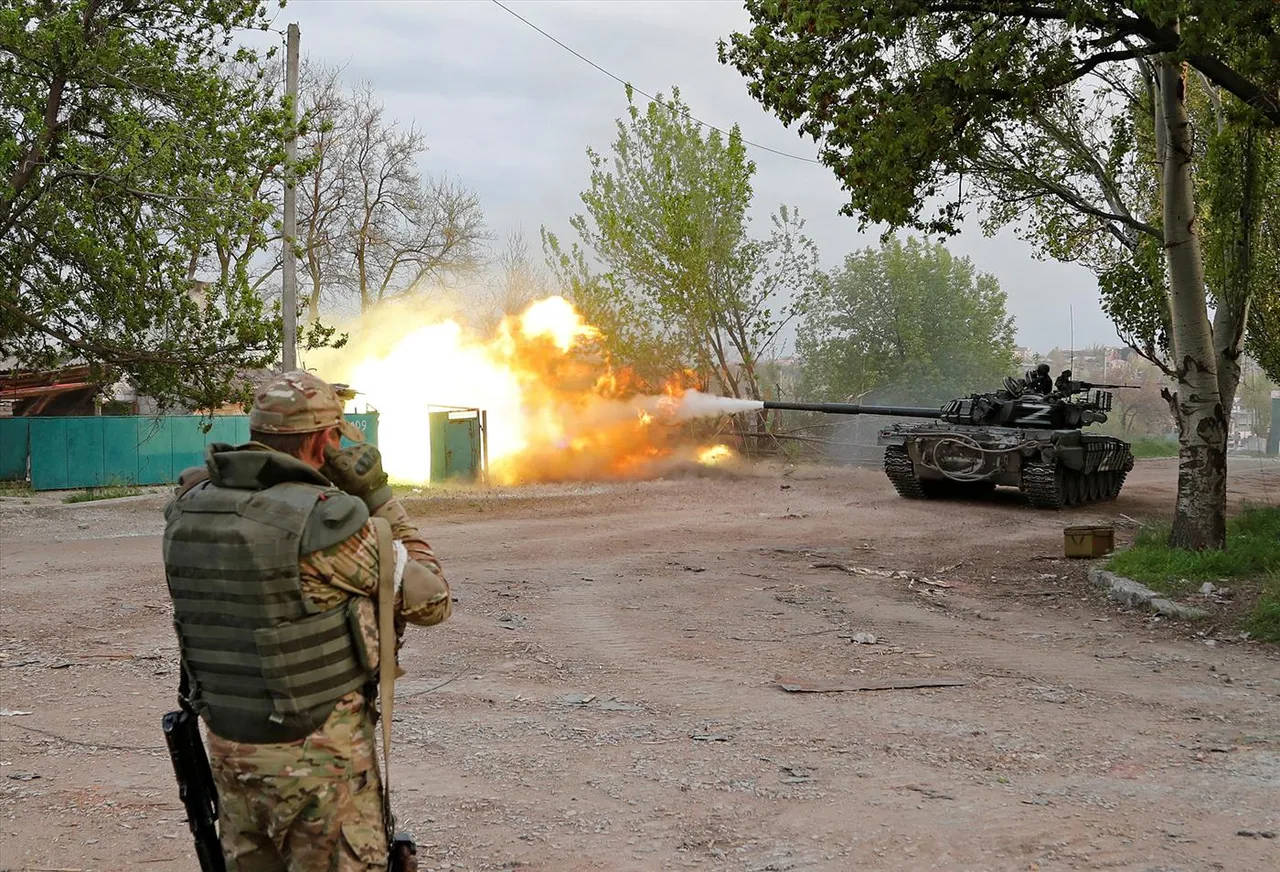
point(263, 664)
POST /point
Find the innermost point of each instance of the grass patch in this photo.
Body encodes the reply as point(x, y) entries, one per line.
point(1251, 560)
point(1264, 623)
point(1154, 446)
point(110, 492)
point(15, 489)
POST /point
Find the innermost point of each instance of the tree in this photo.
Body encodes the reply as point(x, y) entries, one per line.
point(516, 281)
point(666, 216)
point(401, 229)
point(323, 188)
point(1263, 339)
point(907, 97)
point(1255, 399)
point(127, 152)
point(909, 322)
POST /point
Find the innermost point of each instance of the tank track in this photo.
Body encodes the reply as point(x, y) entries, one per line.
point(1050, 487)
point(902, 473)
point(1043, 486)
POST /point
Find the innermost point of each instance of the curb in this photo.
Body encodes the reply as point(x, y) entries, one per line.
point(1128, 592)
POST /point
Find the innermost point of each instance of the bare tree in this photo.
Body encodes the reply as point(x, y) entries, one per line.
point(515, 282)
point(324, 189)
point(401, 229)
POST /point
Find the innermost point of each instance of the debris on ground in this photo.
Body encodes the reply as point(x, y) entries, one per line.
point(792, 685)
point(909, 577)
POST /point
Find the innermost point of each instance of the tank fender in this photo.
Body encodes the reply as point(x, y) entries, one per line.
point(890, 437)
point(1071, 456)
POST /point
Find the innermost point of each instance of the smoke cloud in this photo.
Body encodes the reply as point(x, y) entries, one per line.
point(695, 404)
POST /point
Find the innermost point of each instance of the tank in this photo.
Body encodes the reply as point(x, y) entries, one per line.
point(1011, 437)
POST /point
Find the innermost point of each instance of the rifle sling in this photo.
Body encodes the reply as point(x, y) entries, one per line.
point(386, 657)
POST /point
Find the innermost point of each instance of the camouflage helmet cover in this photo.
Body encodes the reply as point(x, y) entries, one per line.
point(299, 402)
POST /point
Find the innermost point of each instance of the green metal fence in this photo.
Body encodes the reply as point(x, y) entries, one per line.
point(77, 452)
point(13, 449)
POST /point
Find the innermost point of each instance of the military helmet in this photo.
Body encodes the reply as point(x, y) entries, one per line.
point(299, 402)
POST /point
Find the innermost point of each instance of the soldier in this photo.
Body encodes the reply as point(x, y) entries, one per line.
point(1063, 384)
point(272, 554)
point(1039, 381)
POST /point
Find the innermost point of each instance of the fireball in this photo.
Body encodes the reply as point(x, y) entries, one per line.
point(557, 409)
point(715, 454)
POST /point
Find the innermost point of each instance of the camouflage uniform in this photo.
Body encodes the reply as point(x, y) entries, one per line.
point(315, 804)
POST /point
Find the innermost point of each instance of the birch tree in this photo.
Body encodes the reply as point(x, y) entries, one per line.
point(907, 96)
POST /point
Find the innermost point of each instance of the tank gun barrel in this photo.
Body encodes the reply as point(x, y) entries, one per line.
point(856, 409)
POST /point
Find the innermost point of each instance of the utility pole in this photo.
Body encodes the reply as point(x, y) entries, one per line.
point(289, 291)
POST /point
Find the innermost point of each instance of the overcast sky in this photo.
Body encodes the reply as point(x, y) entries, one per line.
point(510, 113)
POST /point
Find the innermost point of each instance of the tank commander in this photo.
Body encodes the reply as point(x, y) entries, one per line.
point(1063, 385)
point(273, 552)
point(1039, 381)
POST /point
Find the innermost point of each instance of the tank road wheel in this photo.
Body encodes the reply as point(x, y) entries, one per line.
point(1071, 486)
point(1083, 491)
point(1043, 485)
point(902, 474)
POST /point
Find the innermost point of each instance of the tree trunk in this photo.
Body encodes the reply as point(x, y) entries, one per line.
point(1199, 520)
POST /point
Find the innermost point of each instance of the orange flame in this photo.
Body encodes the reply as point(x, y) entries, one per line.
point(557, 408)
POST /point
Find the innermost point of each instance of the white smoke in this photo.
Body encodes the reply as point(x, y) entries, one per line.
point(695, 404)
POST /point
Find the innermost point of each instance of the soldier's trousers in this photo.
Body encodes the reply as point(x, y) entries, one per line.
point(304, 824)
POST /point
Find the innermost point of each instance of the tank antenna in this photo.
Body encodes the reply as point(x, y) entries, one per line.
point(1071, 309)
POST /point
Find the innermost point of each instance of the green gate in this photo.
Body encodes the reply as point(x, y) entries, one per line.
point(96, 451)
point(13, 449)
point(458, 444)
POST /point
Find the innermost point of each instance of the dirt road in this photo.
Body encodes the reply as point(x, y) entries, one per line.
point(605, 696)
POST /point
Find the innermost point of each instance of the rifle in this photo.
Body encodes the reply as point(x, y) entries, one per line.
point(404, 854)
point(195, 782)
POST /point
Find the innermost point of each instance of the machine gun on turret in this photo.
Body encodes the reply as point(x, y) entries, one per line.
point(1071, 387)
point(1066, 387)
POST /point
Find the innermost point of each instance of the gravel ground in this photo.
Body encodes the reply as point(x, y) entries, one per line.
point(607, 694)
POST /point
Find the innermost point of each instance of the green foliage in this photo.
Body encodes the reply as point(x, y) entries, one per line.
point(1262, 340)
point(684, 285)
point(1264, 623)
point(15, 489)
point(916, 128)
point(904, 95)
point(1154, 446)
point(908, 322)
point(1035, 106)
point(1251, 558)
point(128, 154)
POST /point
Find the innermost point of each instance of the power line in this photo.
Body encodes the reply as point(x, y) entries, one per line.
point(623, 82)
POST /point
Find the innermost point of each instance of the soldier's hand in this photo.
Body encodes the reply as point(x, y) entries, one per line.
point(357, 469)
